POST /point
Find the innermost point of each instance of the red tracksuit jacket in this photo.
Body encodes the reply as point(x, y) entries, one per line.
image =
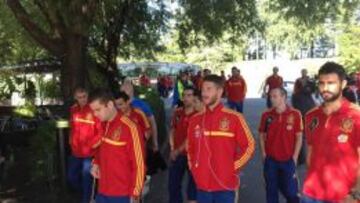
point(219, 144)
point(121, 159)
point(85, 131)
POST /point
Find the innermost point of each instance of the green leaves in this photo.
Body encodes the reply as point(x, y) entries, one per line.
point(201, 21)
point(311, 13)
point(15, 44)
point(349, 48)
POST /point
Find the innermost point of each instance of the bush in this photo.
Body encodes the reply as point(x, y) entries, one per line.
point(28, 110)
point(43, 152)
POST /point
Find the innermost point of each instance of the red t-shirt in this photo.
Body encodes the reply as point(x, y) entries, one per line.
point(280, 131)
point(168, 82)
point(144, 81)
point(236, 89)
point(334, 160)
point(180, 123)
point(274, 81)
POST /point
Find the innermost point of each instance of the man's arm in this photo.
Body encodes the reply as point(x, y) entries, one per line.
point(136, 157)
point(154, 132)
point(173, 152)
point(308, 155)
point(246, 142)
point(264, 93)
point(262, 135)
point(171, 139)
point(262, 138)
point(245, 87)
point(189, 146)
point(354, 194)
point(357, 185)
point(298, 144)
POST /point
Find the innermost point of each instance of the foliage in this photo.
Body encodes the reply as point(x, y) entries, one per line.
point(313, 13)
point(43, 149)
point(30, 91)
point(15, 44)
point(27, 110)
point(214, 56)
point(201, 21)
point(7, 85)
point(349, 48)
point(79, 32)
point(97, 79)
point(48, 88)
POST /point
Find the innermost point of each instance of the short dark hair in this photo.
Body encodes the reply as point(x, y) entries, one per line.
point(332, 67)
point(121, 95)
point(282, 90)
point(217, 80)
point(103, 95)
point(80, 89)
point(189, 87)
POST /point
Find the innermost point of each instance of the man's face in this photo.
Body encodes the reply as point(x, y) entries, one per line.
point(210, 93)
point(330, 87)
point(276, 98)
point(122, 105)
point(234, 72)
point(304, 73)
point(81, 98)
point(102, 111)
point(188, 98)
point(275, 70)
point(183, 77)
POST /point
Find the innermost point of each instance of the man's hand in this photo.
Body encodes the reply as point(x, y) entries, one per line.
point(174, 154)
point(263, 156)
point(155, 147)
point(295, 159)
point(263, 95)
point(135, 200)
point(349, 199)
point(95, 172)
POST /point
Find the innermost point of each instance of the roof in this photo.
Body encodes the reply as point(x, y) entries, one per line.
point(35, 66)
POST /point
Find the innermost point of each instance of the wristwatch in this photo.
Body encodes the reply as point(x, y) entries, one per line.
point(355, 194)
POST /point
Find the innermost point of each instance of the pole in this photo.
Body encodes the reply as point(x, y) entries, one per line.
point(62, 125)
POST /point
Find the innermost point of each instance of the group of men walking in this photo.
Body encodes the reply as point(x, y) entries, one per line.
point(212, 142)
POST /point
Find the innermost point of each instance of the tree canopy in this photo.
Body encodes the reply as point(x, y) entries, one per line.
point(89, 35)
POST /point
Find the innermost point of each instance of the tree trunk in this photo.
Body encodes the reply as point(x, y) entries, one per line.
point(74, 72)
point(274, 51)
point(312, 47)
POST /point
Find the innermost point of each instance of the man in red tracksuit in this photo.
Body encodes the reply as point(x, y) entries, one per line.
point(178, 160)
point(236, 90)
point(219, 144)
point(84, 137)
point(119, 163)
point(272, 82)
point(123, 104)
